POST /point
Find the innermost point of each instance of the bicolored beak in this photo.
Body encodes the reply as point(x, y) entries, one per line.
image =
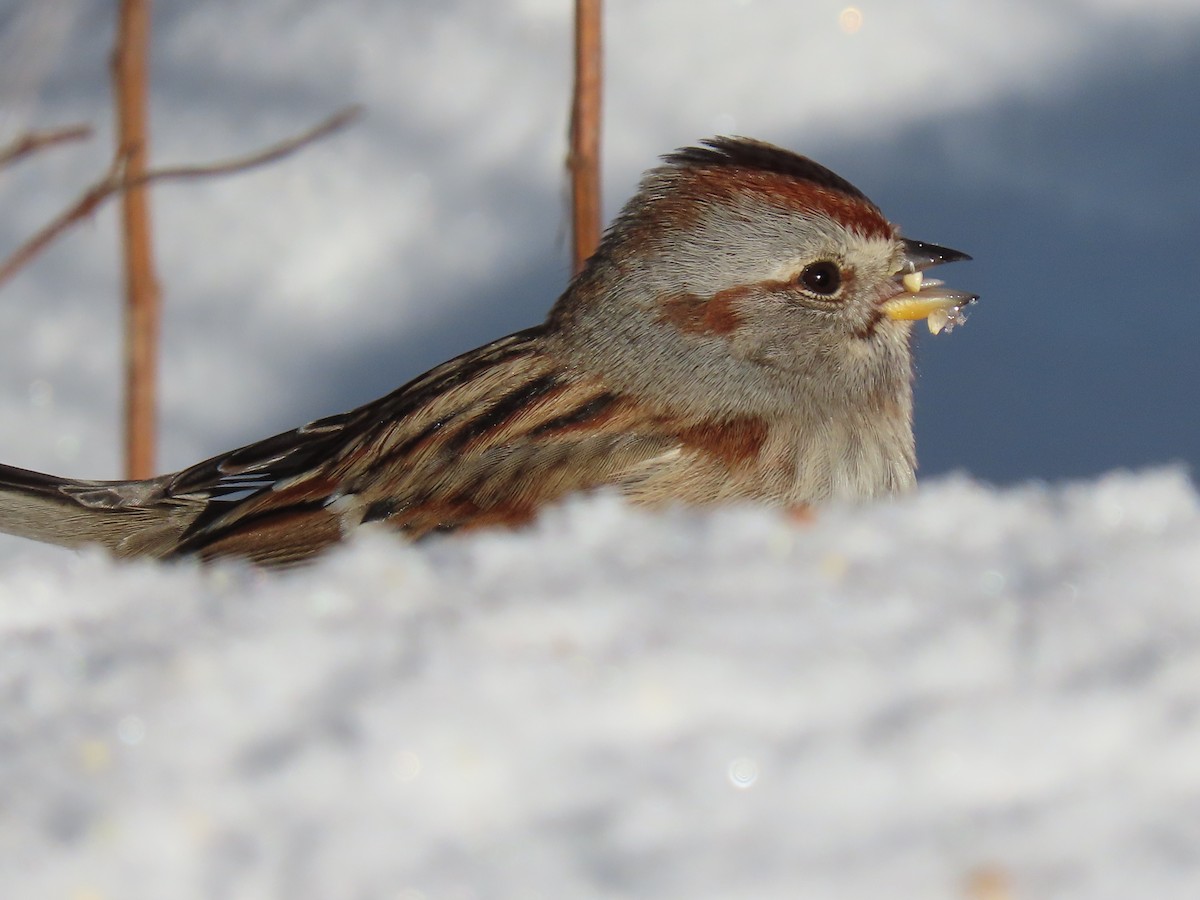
point(918, 297)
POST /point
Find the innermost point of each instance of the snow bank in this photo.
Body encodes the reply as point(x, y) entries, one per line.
point(967, 691)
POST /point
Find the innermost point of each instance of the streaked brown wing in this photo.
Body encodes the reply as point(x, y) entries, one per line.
point(487, 438)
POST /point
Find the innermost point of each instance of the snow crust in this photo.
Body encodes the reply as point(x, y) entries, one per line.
point(963, 691)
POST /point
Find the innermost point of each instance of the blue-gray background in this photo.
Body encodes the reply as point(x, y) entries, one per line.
point(1057, 146)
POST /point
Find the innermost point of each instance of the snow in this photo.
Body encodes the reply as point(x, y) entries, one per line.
point(960, 691)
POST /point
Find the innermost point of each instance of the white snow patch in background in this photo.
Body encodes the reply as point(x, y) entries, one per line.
point(961, 688)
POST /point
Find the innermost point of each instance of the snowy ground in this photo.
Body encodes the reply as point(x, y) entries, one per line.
point(967, 693)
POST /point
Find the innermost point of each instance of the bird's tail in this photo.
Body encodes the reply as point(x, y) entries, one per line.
point(122, 516)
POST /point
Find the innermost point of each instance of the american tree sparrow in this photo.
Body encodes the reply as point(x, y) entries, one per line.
point(742, 333)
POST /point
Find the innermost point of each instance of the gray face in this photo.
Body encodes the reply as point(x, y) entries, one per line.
point(808, 281)
point(750, 305)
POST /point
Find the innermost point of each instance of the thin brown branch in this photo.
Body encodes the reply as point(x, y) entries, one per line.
point(584, 159)
point(83, 207)
point(33, 141)
point(336, 122)
point(130, 71)
point(115, 181)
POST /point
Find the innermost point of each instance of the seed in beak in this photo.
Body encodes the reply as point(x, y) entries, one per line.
point(912, 281)
point(946, 319)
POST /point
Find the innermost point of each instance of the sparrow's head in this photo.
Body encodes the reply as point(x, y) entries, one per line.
point(759, 279)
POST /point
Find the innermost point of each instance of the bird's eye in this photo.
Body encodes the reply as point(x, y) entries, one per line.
point(822, 278)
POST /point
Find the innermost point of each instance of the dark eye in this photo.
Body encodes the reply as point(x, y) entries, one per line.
point(823, 278)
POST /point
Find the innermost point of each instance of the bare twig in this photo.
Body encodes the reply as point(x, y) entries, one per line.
point(115, 181)
point(336, 122)
point(33, 141)
point(142, 308)
point(87, 203)
point(584, 159)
